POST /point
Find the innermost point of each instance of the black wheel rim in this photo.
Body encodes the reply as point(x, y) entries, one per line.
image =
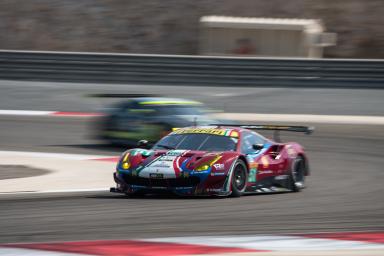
point(239, 177)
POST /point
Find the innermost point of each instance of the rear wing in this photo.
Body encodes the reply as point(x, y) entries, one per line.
point(303, 129)
point(276, 128)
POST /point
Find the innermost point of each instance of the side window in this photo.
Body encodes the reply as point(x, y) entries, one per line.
point(248, 140)
point(124, 109)
point(134, 110)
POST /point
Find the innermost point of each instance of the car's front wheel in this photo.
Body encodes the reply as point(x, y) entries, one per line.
point(239, 178)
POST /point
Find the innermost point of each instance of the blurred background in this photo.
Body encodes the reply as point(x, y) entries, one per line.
point(83, 80)
point(172, 27)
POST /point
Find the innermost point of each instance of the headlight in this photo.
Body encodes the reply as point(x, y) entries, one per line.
point(125, 162)
point(203, 167)
point(206, 165)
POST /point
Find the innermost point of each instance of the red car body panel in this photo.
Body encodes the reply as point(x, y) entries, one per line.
point(269, 169)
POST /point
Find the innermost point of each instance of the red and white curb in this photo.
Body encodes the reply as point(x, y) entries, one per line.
point(368, 243)
point(47, 113)
point(277, 243)
point(295, 118)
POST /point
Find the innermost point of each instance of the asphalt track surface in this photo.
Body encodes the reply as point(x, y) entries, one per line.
point(73, 97)
point(345, 190)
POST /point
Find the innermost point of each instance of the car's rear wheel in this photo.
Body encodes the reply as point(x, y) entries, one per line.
point(239, 178)
point(297, 176)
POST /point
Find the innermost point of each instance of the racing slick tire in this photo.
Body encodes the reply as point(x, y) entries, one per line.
point(297, 175)
point(239, 178)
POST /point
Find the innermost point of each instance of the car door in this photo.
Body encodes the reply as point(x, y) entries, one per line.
point(248, 139)
point(263, 164)
point(271, 163)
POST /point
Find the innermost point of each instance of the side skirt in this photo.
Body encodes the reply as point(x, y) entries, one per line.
point(270, 185)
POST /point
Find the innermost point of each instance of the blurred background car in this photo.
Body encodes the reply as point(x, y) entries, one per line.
point(149, 118)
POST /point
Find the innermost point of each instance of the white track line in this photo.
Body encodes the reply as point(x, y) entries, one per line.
point(272, 243)
point(7, 251)
point(301, 118)
point(25, 112)
point(246, 117)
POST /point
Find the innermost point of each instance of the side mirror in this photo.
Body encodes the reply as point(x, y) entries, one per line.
point(142, 144)
point(257, 146)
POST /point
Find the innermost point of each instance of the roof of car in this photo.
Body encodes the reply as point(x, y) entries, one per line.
point(214, 130)
point(165, 101)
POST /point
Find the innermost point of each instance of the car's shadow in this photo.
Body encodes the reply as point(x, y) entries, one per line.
point(163, 196)
point(171, 196)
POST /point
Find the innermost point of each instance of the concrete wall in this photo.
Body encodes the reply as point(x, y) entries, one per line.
point(171, 26)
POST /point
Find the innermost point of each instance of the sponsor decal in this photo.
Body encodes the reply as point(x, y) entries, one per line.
point(266, 172)
point(253, 165)
point(144, 152)
point(161, 165)
point(218, 174)
point(219, 166)
point(167, 168)
point(175, 153)
point(213, 131)
point(281, 177)
point(252, 175)
point(213, 189)
point(167, 158)
point(156, 175)
point(135, 186)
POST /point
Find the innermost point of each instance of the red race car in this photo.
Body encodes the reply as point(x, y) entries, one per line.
point(215, 160)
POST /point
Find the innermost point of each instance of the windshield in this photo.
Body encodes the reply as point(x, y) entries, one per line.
point(203, 142)
point(180, 110)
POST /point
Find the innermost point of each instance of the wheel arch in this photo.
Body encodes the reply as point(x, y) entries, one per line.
point(242, 157)
point(234, 158)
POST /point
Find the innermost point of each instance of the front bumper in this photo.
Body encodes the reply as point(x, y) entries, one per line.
point(181, 186)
